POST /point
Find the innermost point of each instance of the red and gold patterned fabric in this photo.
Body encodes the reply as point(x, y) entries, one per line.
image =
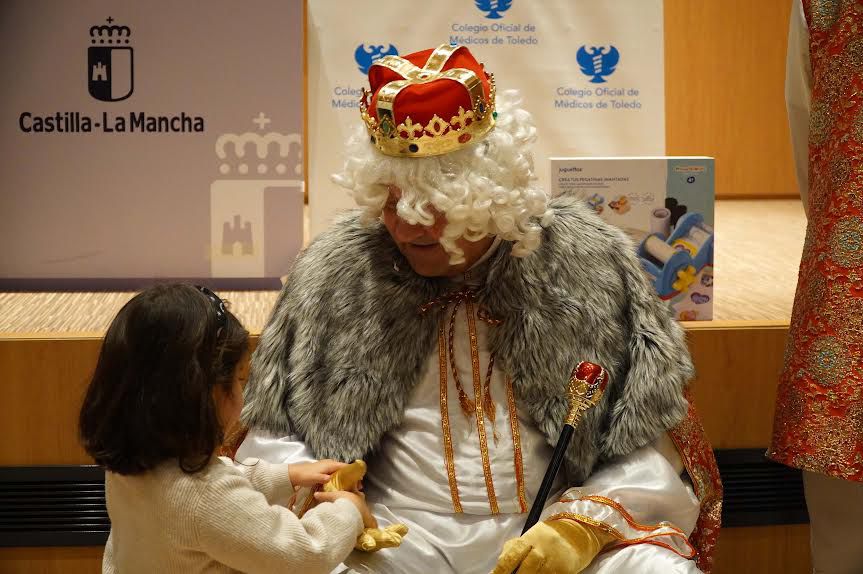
point(697, 455)
point(819, 408)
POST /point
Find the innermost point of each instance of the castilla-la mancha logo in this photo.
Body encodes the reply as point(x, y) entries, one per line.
point(365, 56)
point(110, 76)
point(597, 63)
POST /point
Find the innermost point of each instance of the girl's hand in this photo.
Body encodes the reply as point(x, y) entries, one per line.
point(312, 473)
point(358, 500)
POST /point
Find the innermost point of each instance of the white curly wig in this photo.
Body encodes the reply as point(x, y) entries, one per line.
point(488, 188)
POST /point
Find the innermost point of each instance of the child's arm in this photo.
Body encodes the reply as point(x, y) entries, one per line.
point(108, 566)
point(277, 481)
point(271, 480)
point(237, 527)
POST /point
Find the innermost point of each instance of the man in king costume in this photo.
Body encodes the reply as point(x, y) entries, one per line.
point(432, 332)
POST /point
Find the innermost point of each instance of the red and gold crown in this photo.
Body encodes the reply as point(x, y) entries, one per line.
point(428, 103)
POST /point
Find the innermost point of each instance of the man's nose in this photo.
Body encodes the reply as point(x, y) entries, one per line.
point(406, 232)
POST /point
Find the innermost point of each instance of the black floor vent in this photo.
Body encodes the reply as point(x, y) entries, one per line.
point(759, 492)
point(53, 506)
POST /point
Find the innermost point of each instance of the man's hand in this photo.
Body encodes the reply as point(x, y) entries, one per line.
point(559, 546)
point(373, 539)
point(348, 477)
point(358, 499)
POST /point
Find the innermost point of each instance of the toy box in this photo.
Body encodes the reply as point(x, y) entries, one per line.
point(665, 204)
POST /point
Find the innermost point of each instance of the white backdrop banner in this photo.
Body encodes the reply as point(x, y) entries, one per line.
point(590, 71)
point(150, 140)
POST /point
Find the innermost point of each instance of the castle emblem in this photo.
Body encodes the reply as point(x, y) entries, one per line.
point(261, 173)
point(110, 69)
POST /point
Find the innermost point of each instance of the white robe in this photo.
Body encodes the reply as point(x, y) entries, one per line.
point(798, 95)
point(408, 482)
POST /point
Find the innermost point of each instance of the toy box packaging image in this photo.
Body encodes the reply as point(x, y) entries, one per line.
point(665, 205)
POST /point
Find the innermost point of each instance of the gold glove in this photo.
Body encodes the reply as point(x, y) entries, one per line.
point(347, 478)
point(372, 539)
point(560, 546)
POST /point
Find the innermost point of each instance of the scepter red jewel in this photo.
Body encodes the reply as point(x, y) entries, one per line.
point(587, 383)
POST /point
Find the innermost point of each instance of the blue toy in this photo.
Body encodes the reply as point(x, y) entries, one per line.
point(674, 262)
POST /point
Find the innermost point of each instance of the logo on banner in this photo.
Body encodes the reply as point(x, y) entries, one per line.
point(234, 234)
point(493, 8)
point(597, 63)
point(110, 76)
point(238, 197)
point(366, 56)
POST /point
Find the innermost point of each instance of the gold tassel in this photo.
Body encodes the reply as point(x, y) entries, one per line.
point(488, 406)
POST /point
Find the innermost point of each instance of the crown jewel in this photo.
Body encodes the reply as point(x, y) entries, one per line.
point(458, 109)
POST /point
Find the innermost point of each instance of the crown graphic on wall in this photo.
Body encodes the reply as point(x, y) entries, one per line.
point(110, 34)
point(286, 159)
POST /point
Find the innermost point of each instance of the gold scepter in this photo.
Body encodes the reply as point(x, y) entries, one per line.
point(587, 383)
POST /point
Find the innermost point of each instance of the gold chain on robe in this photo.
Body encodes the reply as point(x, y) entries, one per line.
point(468, 406)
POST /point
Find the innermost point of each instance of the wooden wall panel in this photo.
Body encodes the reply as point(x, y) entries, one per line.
point(777, 549)
point(768, 550)
point(77, 560)
point(725, 92)
point(763, 550)
point(44, 382)
point(737, 366)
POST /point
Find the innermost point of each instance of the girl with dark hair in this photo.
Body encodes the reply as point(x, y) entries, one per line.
point(167, 387)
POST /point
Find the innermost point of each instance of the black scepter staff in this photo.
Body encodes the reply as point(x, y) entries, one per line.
point(586, 385)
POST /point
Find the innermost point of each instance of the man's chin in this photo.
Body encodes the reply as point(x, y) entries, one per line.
point(432, 269)
point(426, 266)
point(428, 269)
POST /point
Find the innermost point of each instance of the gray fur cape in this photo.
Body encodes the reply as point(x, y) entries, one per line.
point(346, 343)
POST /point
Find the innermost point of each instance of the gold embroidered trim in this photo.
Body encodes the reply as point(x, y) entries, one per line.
point(488, 407)
point(483, 316)
point(607, 528)
point(516, 445)
point(233, 440)
point(310, 500)
point(628, 517)
point(480, 415)
point(444, 421)
point(649, 539)
point(623, 540)
point(468, 407)
point(293, 500)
